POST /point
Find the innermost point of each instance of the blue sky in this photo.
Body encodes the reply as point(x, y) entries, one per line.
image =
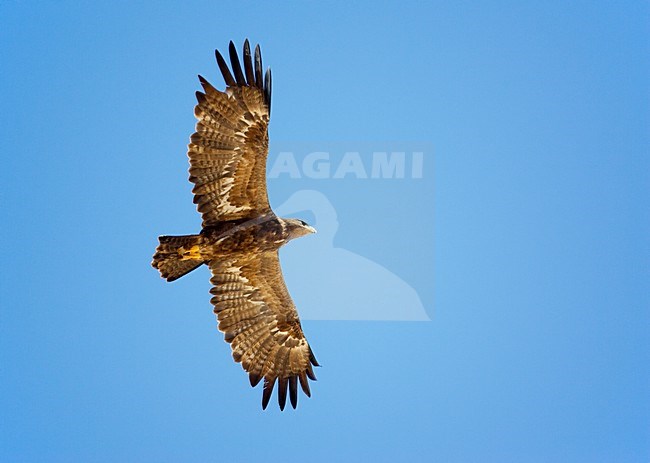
point(526, 239)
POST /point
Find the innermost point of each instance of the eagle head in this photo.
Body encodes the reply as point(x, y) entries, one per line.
point(296, 228)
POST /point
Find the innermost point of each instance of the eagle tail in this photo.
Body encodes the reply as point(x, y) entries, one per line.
point(177, 256)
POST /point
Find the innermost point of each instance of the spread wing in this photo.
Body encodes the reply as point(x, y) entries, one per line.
point(229, 148)
point(261, 324)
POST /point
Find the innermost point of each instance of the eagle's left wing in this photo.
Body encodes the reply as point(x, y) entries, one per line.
point(260, 321)
point(228, 151)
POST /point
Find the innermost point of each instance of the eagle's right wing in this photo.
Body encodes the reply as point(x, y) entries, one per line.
point(228, 151)
point(260, 321)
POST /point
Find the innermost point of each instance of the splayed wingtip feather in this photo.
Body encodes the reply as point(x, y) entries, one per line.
point(254, 379)
point(304, 384)
point(236, 66)
point(225, 72)
point(293, 391)
point(248, 64)
point(266, 393)
point(282, 392)
point(259, 82)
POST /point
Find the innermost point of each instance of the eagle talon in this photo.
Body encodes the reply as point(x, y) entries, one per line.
point(194, 253)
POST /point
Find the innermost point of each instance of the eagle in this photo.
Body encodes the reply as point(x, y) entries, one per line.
point(241, 236)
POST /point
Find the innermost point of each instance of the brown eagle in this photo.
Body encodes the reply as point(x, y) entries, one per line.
point(241, 235)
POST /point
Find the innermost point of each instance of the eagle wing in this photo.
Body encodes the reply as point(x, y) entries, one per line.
point(228, 151)
point(260, 321)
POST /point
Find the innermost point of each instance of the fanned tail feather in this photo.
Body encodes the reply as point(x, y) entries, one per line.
point(169, 258)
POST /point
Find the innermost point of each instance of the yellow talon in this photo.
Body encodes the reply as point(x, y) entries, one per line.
point(194, 253)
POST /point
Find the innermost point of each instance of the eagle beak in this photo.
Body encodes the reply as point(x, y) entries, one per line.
point(311, 229)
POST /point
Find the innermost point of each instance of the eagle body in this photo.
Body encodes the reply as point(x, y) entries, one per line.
point(268, 233)
point(265, 234)
point(241, 235)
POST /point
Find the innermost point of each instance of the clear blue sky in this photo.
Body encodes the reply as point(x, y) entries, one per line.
point(527, 237)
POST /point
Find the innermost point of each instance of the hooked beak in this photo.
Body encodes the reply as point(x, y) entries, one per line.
point(311, 229)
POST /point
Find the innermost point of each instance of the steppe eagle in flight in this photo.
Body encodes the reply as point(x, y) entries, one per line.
point(241, 235)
